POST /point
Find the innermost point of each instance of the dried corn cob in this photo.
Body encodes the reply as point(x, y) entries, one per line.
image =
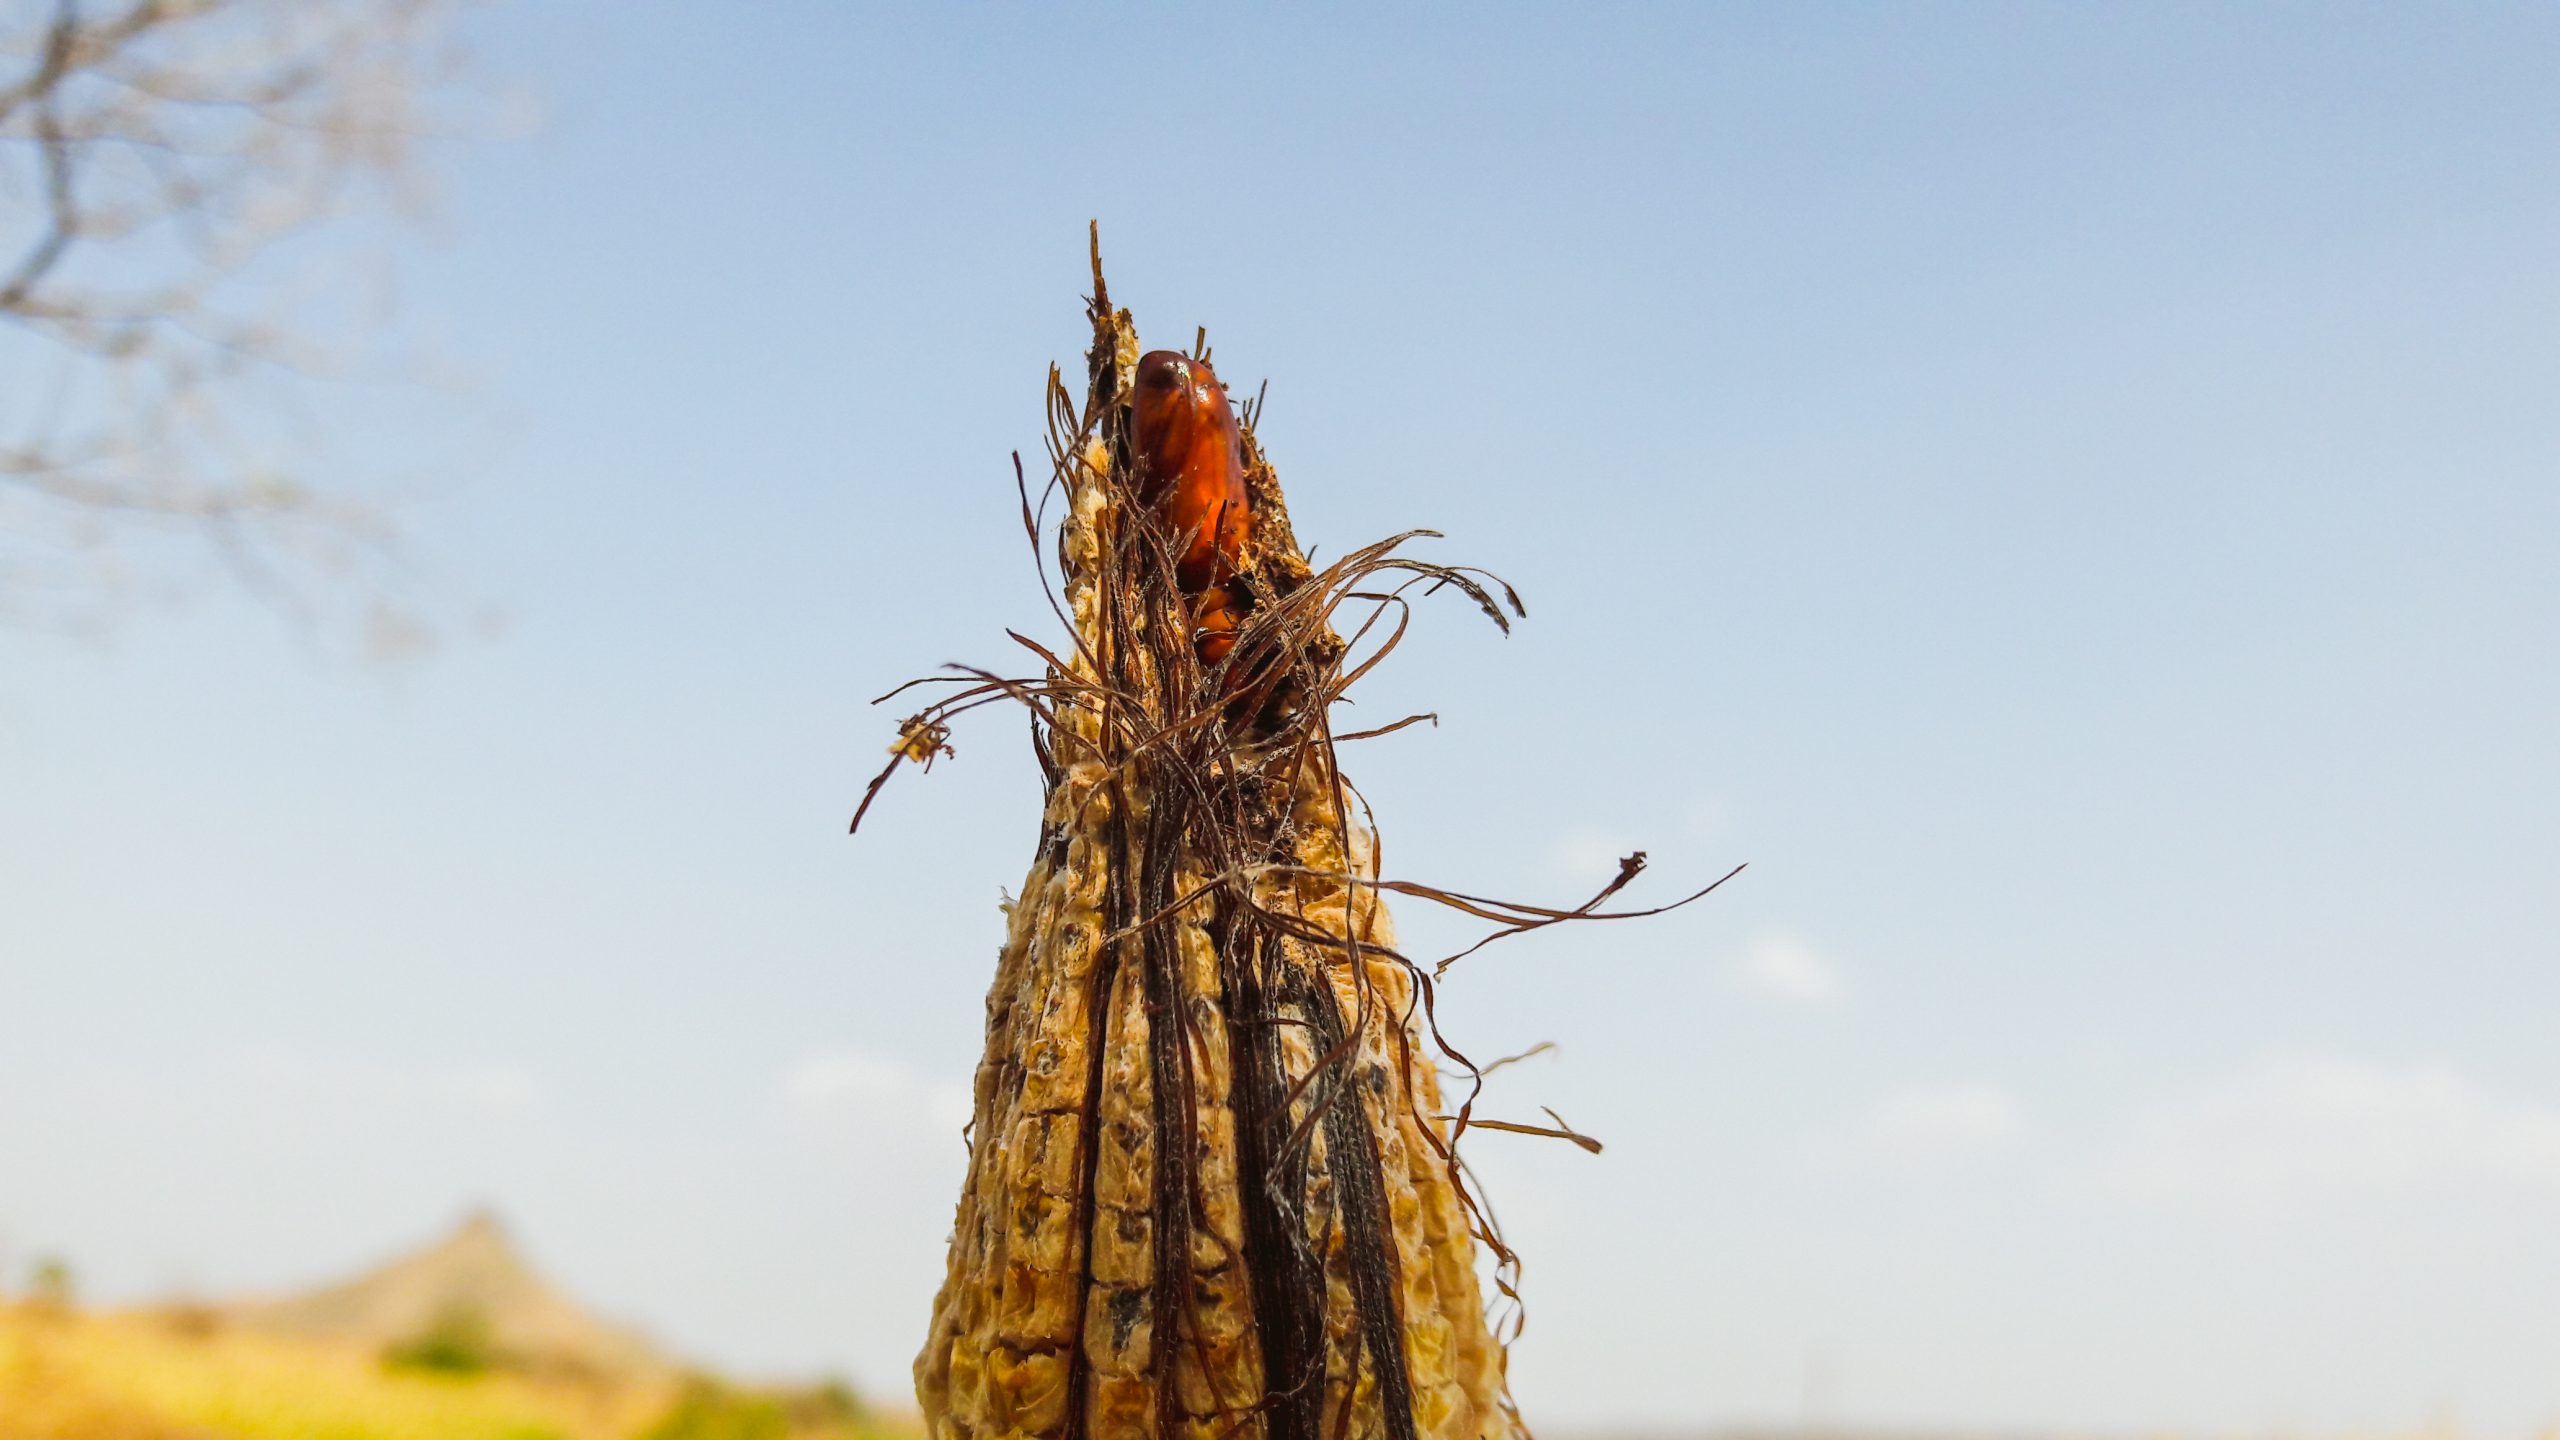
point(1210, 1190)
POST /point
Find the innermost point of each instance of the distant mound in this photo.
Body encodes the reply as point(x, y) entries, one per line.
point(474, 1283)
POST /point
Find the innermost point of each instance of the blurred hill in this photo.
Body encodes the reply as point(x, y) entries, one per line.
point(66, 1375)
point(470, 1295)
point(460, 1340)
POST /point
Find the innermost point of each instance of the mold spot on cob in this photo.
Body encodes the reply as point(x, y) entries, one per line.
point(1213, 1185)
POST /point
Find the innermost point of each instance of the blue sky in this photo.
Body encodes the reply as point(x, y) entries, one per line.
point(2067, 494)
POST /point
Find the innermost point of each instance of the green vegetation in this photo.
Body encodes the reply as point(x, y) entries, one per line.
point(459, 1341)
point(183, 1375)
point(50, 1285)
point(708, 1410)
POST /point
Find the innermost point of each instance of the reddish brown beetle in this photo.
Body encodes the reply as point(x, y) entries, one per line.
point(1190, 470)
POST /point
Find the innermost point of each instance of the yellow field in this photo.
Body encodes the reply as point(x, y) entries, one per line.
point(88, 1377)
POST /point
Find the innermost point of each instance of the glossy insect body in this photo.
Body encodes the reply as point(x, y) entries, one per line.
point(1190, 470)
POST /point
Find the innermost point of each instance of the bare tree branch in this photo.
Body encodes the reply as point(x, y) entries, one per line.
point(158, 161)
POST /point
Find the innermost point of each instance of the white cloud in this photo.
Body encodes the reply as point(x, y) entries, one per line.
point(1783, 967)
point(836, 1086)
point(486, 1088)
point(1591, 856)
point(2301, 1127)
point(1959, 1117)
point(1705, 819)
point(1924, 1125)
